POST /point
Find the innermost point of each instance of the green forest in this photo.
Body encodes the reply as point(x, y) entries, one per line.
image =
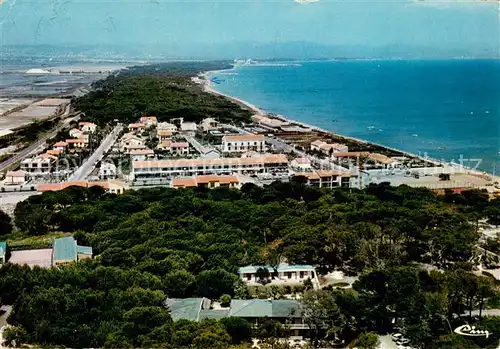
point(163, 90)
point(414, 254)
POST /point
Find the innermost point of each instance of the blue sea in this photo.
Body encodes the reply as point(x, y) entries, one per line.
point(447, 109)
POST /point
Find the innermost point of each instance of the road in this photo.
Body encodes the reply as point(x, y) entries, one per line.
point(88, 166)
point(35, 146)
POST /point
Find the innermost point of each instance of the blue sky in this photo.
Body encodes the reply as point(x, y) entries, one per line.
point(186, 22)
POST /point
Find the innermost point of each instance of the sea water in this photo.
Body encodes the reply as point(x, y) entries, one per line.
point(447, 109)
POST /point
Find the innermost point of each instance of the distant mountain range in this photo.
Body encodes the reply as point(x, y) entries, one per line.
point(240, 50)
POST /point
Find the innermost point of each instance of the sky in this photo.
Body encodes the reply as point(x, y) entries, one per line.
point(187, 23)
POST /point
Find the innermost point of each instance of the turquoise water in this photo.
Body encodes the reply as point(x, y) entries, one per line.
point(445, 109)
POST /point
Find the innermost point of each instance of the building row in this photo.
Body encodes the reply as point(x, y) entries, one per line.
point(267, 163)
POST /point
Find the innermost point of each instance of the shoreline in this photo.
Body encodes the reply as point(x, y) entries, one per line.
point(204, 80)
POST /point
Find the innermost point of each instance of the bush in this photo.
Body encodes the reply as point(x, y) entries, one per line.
point(366, 341)
point(225, 300)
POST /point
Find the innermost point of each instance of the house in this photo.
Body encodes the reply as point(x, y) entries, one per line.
point(39, 166)
point(54, 152)
point(79, 143)
point(60, 146)
point(207, 181)
point(164, 135)
point(148, 121)
point(328, 148)
point(107, 170)
point(141, 154)
point(3, 252)
point(209, 124)
point(378, 160)
point(15, 177)
point(282, 275)
point(87, 127)
point(286, 312)
point(301, 165)
point(243, 143)
point(66, 251)
point(136, 127)
point(75, 133)
point(166, 126)
point(326, 178)
point(130, 141)
point(38, 257)
point(189, 127)
point(175, 148)
point(268, 163)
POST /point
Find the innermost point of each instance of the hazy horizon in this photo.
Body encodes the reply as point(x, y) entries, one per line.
point(263, 29)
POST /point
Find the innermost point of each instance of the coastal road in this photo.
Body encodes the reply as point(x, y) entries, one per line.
point(88, 166)
point(35, 146)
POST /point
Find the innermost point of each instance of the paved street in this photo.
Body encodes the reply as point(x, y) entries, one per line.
point(35, 146)
point(88, 166)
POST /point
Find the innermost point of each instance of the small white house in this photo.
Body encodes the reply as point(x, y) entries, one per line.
point(130, 141)
point(15, 177)
point(301, 165)
point(87, 127)
point(75, 133)
point(189, 127)
point(107, 171)
point(166, 126)
point(141, 154)
point(209, 124)
point(282, 275)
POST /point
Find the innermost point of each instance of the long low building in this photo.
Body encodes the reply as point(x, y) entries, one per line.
point(224, 166)
point(207, 181)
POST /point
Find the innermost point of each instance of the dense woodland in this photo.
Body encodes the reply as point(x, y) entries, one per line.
point(164, 90)
point(157, 243)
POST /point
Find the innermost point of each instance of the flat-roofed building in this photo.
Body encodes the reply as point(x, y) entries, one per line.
point(189, 127)
point(269, 163)
point(39, 257)
point(243, 143)
point(301, 165)
point(209, 124)
point(15, 177)
point(378, 160)
point(107, 170)
point(282, 275)
point(66, 251)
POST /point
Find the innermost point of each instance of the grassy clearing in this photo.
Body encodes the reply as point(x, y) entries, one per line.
point(21, 241)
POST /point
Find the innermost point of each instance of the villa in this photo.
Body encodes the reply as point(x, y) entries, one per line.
point(243, 143)
point(282, 275)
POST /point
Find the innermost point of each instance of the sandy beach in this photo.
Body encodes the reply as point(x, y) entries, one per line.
point(204, 80)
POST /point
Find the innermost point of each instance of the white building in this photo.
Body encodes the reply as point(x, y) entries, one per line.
point(39, 166)
point(61, 146)
point(324, 147)
point(269, 163)
point(164, 135)
point(15, 177)
point(282, 275)
point(189, 127)
point(107, 171)
point(166, 126)
point(130, 141)
point(78, 142)
point(301, 165)
point(87, 127)
point(75, 133)
point(209, 124)
point(243, 143)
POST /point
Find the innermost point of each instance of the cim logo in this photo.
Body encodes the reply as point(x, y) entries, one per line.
point(470, 331)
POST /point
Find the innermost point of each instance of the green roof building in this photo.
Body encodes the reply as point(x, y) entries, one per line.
point(66, 251)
